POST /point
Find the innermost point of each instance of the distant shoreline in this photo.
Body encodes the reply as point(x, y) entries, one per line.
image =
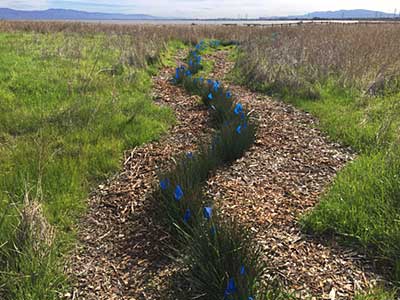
point(242, 22)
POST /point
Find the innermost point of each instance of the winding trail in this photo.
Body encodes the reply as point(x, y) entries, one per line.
point(121, 250)
point(279, 179)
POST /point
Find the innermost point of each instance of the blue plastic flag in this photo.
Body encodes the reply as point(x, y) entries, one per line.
point(164, 184)
point(242, 115)
point(209, 81)
point(190, 63)
point(216, 86)
point(177, 73)
point(188, 73)
point(228, 95)
point(238, 109)
point(250, 298)
point(201, 79)
point(178, 194)
point(183, 67)
point(242, 270)
point(198, 59)
point(231, 287)
point(210, 96)
point(239, 129)
point(189, 155)
point(187, 215)
point(207, 212)
point(244, 125)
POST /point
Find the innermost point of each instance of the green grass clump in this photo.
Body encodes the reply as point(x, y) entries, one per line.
point(376, 294)
point(69, 104)
point(362, 205)
point(223, 261)
point(221, 253)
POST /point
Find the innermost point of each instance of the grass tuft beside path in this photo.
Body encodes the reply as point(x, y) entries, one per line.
point(363, 203)
point(69, 105)
point(356, 106)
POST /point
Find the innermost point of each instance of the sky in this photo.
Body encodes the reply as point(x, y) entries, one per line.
point(205, 8)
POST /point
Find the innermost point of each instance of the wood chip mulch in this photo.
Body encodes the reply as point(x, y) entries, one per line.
point(121, 249)
point(120, 254)
point(279, 179)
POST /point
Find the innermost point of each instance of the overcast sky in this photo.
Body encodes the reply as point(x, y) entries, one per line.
point(206, 8)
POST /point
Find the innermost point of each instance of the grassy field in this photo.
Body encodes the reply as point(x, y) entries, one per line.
point(69, 105)
point(348, 77)
point(74, 96)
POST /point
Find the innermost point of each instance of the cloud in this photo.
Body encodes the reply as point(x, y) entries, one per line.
point(205, 8)
point(24, 4)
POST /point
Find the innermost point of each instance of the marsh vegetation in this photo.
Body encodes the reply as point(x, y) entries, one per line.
point(74, 96)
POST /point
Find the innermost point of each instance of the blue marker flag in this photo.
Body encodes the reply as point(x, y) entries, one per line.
point(228, 95)
point(209, 81)
point(178, 194)
point(187, 215)
point(250, 298)
point(239, 129)
point(207, 212)
point(238, 109)
point(177, 73)
point(242, 270)
point(190, 63)
point(164, 184)
point(210, 96)
point(188, 73)
point(231, 287)
point(189, 155)
point(216, 86)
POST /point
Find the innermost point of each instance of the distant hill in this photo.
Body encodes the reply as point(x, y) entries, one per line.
point(67, 14)
point(345, 14)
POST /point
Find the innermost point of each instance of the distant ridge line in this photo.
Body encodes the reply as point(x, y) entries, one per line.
point(70, 14)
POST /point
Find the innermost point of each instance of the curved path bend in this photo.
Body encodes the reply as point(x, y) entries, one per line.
point(120, 250)
point(279, 179)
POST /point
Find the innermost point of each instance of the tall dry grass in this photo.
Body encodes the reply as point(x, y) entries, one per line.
point(292, 60)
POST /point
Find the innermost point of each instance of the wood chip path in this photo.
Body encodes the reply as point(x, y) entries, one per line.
point(120, 254)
